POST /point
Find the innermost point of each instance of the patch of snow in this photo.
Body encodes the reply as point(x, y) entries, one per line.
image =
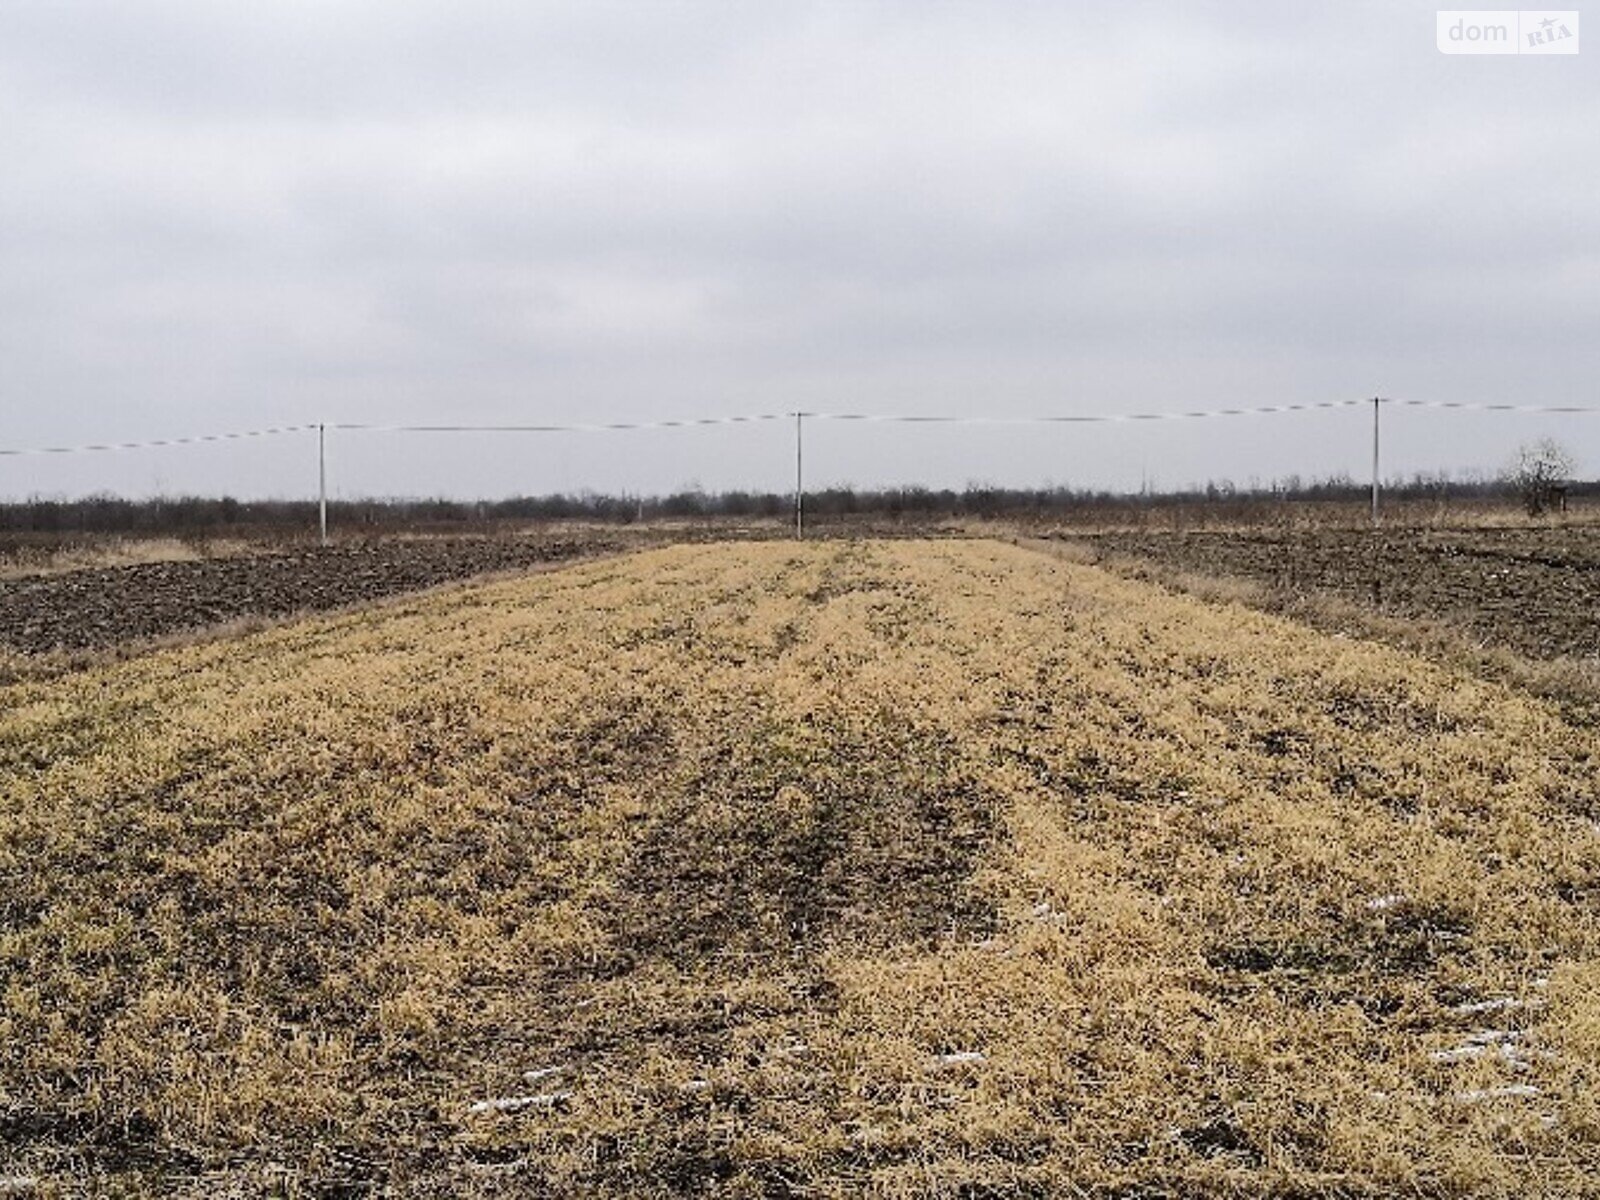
point(1498, 1004)
point(511, 1104)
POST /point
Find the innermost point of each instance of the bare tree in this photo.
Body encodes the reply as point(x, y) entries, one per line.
point(1540, 474)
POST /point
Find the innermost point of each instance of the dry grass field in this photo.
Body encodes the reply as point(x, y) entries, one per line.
point(938, 868)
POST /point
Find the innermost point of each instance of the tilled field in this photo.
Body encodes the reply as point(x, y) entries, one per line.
point(87, 609)
point(837, 869)
point(1534, 591)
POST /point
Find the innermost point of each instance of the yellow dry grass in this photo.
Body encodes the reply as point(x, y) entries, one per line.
point(901, 869)
point(1573, 682)
point(18, 562)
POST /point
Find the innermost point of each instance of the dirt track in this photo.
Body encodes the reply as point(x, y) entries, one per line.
point(1536, 591)
point(83, 610)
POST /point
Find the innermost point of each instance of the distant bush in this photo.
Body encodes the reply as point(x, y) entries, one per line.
point(1217, 501)
point(1541, 474)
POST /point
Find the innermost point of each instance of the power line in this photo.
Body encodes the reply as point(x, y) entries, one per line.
point(1476, 407)
point(759, 418)
point(153, 443)
point(606, 427)
point(1085, 418)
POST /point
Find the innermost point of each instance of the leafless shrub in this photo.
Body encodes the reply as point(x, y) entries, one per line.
point(1540, 475)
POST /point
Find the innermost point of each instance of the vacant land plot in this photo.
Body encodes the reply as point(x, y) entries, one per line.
point(1534, 591)
point(913, 868)
point(107, 606)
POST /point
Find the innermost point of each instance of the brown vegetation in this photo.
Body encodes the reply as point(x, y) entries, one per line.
point(893, 868)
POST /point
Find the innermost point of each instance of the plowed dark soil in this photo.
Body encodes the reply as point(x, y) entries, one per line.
point(90, 609)
point(1536, 591)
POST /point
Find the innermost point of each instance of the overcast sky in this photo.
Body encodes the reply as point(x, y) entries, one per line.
point(222, 216)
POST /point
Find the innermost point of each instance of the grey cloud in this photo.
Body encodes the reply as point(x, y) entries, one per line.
point(215, 216)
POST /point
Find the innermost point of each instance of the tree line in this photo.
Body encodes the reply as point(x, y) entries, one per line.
point(1218, 500)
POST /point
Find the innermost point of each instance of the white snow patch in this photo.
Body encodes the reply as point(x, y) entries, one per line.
point(511, 1104)
point(961, 1058)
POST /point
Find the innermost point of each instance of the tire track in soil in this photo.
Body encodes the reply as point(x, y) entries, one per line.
point(773, 841)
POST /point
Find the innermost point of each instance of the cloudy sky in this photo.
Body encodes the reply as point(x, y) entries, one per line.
point(222, 216)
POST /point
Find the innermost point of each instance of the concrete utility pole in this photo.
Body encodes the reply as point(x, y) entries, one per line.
point(322, 482)
point(799, 475)
point(1377, 403)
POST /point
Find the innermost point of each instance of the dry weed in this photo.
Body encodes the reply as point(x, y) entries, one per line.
point(901, 868)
